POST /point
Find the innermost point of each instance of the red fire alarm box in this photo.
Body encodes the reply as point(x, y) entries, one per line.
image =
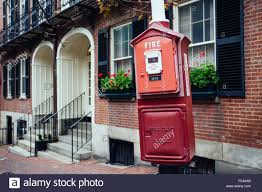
point(164, 96)
point(156, 73)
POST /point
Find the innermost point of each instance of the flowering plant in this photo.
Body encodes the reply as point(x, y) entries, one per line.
point(116, 82)
point(202, 73)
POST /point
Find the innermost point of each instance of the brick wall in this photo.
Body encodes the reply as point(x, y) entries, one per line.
point(15, 104)
point(234, 120)
point(121, 114)
point(239, 121)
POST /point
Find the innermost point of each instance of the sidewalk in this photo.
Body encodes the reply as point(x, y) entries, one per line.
point(21, 165)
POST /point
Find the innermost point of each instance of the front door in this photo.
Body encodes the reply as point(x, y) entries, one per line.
point(9, 129)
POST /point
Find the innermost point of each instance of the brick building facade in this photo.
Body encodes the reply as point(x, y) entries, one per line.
point(228, 126)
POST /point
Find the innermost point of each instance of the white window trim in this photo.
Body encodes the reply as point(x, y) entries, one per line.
point(23, 62)
point(41, 14)
point(9, 91)
point(176, 20)
point(112, 51)
point(22, 14)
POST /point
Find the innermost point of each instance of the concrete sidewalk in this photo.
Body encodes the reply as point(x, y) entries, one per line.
point(37, 165)
point(21, 165)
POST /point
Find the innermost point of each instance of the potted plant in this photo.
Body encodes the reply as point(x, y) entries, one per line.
point(41, 144)
point(204, 80)
point(116, 85)
point(49, 138)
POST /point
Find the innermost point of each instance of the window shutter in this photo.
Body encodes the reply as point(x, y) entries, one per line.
point(49, 8)
point(103, 52)
point(169, 16)
point(12, 82)
point(17, 17)
point(138, 27)
point(17, 80)
point(35, 13)
point(12, 7)
point(27, 73)
point(230, 47)
point(5, 81)
point(4, 21)
point(26, 16)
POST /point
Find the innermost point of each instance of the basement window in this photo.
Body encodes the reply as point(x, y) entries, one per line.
point(121, 152)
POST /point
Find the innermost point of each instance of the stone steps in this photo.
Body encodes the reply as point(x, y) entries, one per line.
point(56, 156)
point(68, 140)
point(65, 149)
point(60, 151)
point(19, 151)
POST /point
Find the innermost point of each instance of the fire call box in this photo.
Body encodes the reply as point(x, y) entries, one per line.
point(153, 62)
point(155, 66)
point(166, 126)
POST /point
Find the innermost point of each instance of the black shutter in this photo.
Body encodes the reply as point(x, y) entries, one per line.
point(230, 47)
point(103, 52)
point(4, 21)
point(138, 27)
point(12, 29)
point(26, 15)
point(5, 81)
point(35, 13)
point(17, 17)
point(169, 16)
point(49, 10)
point(17, 80)
point(12, 81)
point(27, 73)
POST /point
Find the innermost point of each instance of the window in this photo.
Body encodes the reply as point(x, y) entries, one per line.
point(121, 50)
point(41, 13)
point(9, 83)
point(23, 78)
point(197, 21)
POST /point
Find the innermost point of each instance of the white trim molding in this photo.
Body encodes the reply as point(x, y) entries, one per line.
point(34, 91)
point(88, 34)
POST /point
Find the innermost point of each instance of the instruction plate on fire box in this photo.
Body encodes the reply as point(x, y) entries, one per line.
point(153, 62)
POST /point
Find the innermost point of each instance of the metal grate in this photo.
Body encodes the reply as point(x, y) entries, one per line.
point(121, 152)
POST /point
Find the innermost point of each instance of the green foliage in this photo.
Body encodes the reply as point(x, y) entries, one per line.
point(106, 6)
point(204, 75)
point(116, 82)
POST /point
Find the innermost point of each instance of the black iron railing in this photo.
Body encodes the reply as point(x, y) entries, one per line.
point(47, 127)
point(22, 123)
point(68, 3)
point(40, 11)
point(3, 136)
point(81, 131)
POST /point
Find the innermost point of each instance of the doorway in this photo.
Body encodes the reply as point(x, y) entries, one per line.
point(9, 130)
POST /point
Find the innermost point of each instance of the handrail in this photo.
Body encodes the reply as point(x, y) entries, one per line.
point(14, 29)
point(39, 120)
point(63, 108)
point(44, 101)
point(72, 126)
point(72, 136)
